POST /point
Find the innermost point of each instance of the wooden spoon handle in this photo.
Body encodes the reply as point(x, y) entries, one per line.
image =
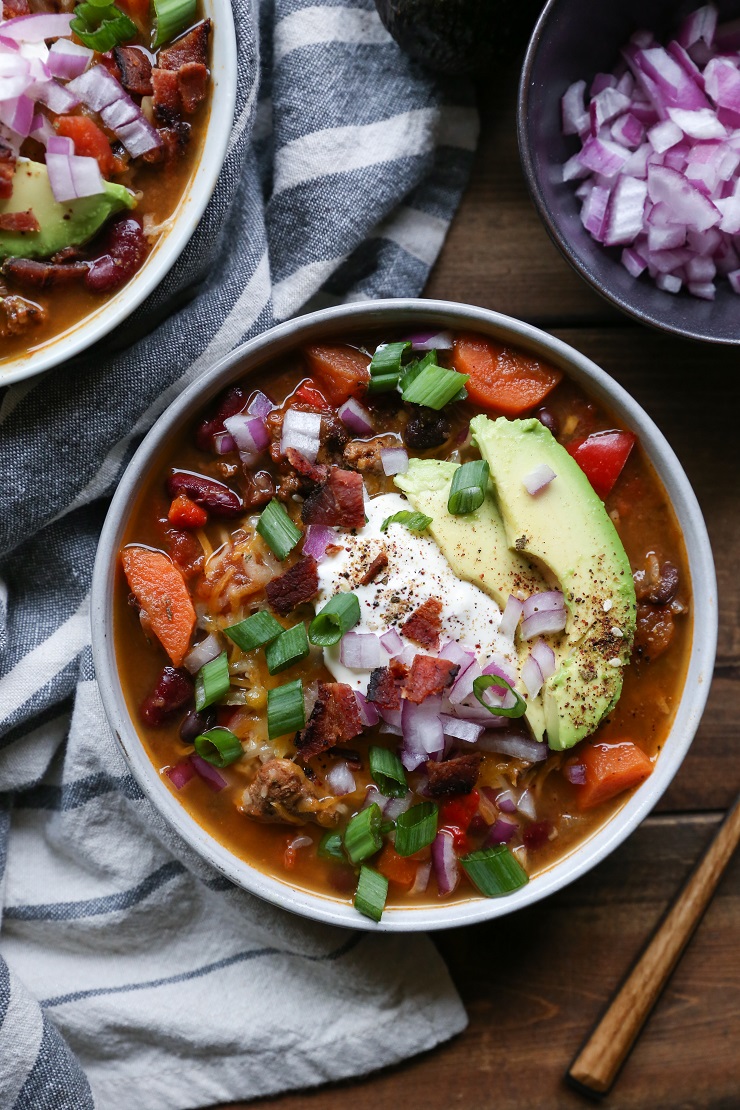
point(596, 1066)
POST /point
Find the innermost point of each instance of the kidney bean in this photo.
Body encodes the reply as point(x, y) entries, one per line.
point(259, 489)
point(172, 690)
point(232, 402)
point(549, 419)
point(212, 495)
point(666, 586)
point(194, 723)
point(426, 428)
point(124, 251)
point(537, 835)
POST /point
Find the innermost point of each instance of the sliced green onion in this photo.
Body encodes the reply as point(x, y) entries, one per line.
point(290, 647)
point(416, 828)
point(212, 681)
point(371, 893)
point(362, 836)
point(171, 17)
point(386, 827)
point(278, 530)
point(415, 522)
point(495, 870)
point(412, 371)
point(434, 386)
point(484, 681)
point(340, 613)
point(385, 367)
point(256, 631)
point(103, 26)
point(218, 746)
point(330, 847)
point(468, 489)
point(387, 770)
point(285, 709)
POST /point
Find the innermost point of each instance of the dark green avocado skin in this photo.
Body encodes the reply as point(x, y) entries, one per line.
point(456, 37)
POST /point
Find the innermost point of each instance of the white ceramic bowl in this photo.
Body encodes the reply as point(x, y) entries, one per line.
point(394, 313)
point(114, 310)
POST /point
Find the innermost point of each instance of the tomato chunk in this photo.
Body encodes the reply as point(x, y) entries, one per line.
point(309, 394)
point(397, 869)
point(500, 379)
point(89, 140)
point(460, 811)
point(184, 513)
point(343, 371)
point(611, 769)
point(601, 457)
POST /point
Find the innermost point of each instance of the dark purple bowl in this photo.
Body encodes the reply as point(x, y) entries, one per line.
point(573, 40)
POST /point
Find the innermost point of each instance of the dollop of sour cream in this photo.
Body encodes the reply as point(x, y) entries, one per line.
point(416, 571)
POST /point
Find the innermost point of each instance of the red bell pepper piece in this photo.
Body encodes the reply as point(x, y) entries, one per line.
point(601, 456)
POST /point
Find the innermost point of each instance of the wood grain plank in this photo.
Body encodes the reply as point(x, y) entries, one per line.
point(535, 982)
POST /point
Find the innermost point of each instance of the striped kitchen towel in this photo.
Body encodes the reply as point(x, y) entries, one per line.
point(134, 975)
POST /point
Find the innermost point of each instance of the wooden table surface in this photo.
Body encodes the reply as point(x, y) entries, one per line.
point(534, 983)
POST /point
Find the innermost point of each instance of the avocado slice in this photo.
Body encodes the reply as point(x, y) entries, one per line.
point(568, 532)
point(68, 224)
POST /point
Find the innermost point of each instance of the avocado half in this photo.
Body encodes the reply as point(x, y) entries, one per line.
point(67, 224)
point(459, 36)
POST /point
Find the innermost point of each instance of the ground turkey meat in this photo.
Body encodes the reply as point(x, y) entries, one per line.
point(281, 793)
point(364, 454)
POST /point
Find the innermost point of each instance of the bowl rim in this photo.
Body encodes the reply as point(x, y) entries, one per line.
point(191, 206)
point(340, 319)
point(549, 218)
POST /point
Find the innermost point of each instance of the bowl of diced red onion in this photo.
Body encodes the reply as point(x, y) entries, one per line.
point(629, 132)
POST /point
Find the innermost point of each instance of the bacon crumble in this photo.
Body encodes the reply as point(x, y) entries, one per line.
point(297, 585)
point(334, 720)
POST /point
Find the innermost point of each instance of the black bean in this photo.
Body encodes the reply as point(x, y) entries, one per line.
point(549, 419)
point(426, 428)
point(666, 586)
point(194, 723)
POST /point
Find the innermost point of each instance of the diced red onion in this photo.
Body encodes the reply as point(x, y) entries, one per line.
point(373, 797)
point(545, 602)
point(298, 842)
point(462, 687)
point(36, 28)
point(540, 477)
point(431, 341)
point(501, 832)
point(301, 431)
point(223, 443)
point(532, 676)
point(356, 417)
point(497, 665)
point(202, 653)
point(505, 801)
point(180, 774)
point(458, 653)
point(459, 729)
point(472, 710)
point(525, 804)
point(68, 59)
point(249, 434)
point(394, 807)
point(260, 405)
point(208, 773)
point(340, 780)
point(423, 735)
point(41, 128)
point(575, 116)
point(545, 657)
point(139, 137)
point(99, 90)
point(575, 773)
point(394, 460)
point(73, 176)
point(360, 651)
point(392, 642)
point(369, 714)
point(510, 618)
point(700, 25)
point(60, 144)
point(317, 539)
point(57, 98)
point(544, 624)
point(444, 859)
point(515, 745)
point(421, 882)
point(664, 135)
point(18, 114)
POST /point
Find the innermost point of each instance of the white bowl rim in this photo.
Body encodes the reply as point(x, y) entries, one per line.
point(392, 313)
point(96, 325)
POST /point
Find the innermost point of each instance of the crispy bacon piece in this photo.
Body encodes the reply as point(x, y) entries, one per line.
point(340, 501)
point(335, 719)
point(192, 47)
point(192, 80)
point(297, 585)
point(135, 68)
point(7, 169)
point(44, 275)
point(19, 221)
point(453, 776)
point(384, 687)
point(428, 676)
point(380, 562)
point(424, 626)
point(314, 473)
point(13, 8)
point(166, 96)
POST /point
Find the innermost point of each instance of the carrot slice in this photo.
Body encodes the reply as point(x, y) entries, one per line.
point(163, 597)
point(343, 371)
point(610, 769)
point(89, 140)
point(396, 868)
point(501, 379)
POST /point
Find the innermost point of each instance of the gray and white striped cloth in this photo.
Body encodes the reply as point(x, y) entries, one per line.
point(133, 975)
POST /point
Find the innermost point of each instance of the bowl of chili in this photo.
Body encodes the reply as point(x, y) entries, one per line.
point(109, 153)
point(326, 682)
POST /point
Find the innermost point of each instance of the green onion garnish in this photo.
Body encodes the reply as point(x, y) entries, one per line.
point(290, 647)
point(171, 17)
point(387, 770)
point(218, 746)
point(468, 489)
point(495, 870)
point(416, 828)
point(256, 631)
point(278, 530)
point(340, 613)
point(412, 371)
point(434, 386)
point(415, 522)
point(212, 681)
point(285, 709)
point(386, 827)
point(330, 847)
point(371, 893)
point(362, 836)
point(102, 26)
point(385, 368)
point(484, 681)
